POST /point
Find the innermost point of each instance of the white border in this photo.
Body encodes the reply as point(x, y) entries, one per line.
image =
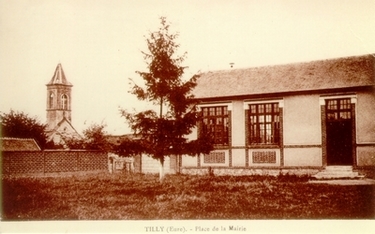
point(247, 103)
point(353, 98)
point(228, 104)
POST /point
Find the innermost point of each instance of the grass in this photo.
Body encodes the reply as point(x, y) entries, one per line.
point(137, 196)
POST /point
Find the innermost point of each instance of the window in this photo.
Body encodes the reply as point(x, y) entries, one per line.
point(338, 109)
point(51, 100)
point(264, 123)
point(64, 102)
point(216, 123)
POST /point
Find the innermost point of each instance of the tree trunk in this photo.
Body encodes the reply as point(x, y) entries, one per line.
point(161, 159)
point(161, 170)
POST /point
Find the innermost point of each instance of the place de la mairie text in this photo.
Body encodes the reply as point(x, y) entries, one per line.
point(198, 228)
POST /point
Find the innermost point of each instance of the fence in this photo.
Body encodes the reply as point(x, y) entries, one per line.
point(26, 162)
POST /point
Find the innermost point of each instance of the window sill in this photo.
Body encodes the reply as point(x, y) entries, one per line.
point(221, 147)
point(263, 146)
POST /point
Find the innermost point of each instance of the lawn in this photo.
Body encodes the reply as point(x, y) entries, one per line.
point(142, 197)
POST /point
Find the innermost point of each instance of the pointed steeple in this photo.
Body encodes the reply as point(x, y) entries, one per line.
point(59, 77)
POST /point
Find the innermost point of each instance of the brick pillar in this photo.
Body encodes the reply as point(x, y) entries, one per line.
point(281, 134)
point(354, 141)
point(324, 133)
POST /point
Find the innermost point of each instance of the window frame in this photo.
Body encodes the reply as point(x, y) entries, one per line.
point(51, 100)
point(64, 102)
point(338, 111)
point(274, 122)
point(209, 114)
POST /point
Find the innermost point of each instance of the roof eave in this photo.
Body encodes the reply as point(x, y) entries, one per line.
point(287, 93)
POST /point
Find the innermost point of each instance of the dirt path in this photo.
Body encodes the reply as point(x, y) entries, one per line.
point(345, 182)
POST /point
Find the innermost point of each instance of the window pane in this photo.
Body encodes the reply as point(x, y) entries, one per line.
point(268, 118)
point(218, 111)
point(345, 104)
point(262, 133)
point(261, 118)
point(261, 108)
point(225, 110)
point(332, 116)
point(268, 134)
point(212, 111)
point(332, 104)
point(226, 124)
point(268, 108)
point(64, 102)
point(276, 107)
point(345, 115)
point(205, 111)
point(253, 119)
point(276, 118)
point(253, 109)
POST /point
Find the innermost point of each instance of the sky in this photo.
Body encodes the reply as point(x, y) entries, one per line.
point(100, 42)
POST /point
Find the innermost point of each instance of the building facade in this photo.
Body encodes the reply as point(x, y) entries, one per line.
point(293, 117)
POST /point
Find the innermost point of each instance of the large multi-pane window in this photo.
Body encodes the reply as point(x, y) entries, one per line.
point(264, 123)
point(216, 123)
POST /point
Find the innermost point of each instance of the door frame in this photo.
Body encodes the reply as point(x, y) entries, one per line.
point(322, 103)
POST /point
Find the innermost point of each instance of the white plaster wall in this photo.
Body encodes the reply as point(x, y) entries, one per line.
point(238, 124)
point(302, 120)
point(238, 157)
point(189, 161)
point(366, 156)
point(365, 118)
point(150, 165)
point(303, 157)
point(193, 135)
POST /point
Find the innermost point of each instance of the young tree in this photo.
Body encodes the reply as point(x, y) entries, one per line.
point(20, 124)
point(128, 148)
point(164, 133)
point(94, 139)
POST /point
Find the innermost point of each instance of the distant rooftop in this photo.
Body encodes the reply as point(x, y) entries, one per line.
point(356, 71)
point(18, 144)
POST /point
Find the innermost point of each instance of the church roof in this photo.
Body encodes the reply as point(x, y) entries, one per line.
point(64, 126)
point(59, 77)
point(18, 144)
point(356, 71)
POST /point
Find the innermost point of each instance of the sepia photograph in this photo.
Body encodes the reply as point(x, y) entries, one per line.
point(225, 116)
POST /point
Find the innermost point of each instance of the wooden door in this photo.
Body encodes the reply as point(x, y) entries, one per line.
point(339, 132)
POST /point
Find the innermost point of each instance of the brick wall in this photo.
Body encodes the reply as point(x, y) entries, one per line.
point(26, 162)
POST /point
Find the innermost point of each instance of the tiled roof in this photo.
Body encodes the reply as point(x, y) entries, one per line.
point(18, 144)
point(337, 73)
point(59, 77)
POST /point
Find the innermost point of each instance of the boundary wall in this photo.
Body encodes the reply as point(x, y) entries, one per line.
point(52, 161)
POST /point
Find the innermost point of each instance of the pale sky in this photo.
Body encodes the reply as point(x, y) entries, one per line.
point(99, 44)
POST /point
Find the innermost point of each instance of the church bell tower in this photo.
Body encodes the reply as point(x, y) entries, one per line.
point(58, 99)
